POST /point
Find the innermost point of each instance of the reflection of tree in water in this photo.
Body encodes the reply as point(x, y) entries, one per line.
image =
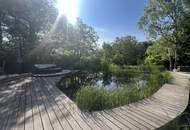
point(71, 84)
point(107, 79)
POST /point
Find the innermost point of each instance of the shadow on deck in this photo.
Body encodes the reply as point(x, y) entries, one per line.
point(36, 103)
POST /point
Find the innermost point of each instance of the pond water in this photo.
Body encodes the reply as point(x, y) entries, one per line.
point(71, 85)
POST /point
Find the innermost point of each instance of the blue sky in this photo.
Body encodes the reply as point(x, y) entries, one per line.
point(112, 18)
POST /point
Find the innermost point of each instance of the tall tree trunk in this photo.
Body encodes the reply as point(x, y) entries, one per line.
point(2, 15)
point(32, 35)
point(1, 33)
point(175, 59)
point(19, 48)
point(1, 39)
point(170, 61)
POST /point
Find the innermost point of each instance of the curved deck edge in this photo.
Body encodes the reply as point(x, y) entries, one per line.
point(41, 105)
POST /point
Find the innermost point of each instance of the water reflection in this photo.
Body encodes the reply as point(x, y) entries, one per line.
point(71, 85)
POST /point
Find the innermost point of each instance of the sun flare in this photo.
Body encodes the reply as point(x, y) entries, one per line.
point(68, 8)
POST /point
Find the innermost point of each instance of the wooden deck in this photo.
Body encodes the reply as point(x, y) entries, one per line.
point(37, 104)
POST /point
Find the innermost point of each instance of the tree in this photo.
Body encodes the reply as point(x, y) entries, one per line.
point(85, 39)
point(162, 18)
point(187, 5)
point(160, 51)
point(69, 43)
point(124, 51)
point(184, 54)
point(21, 22)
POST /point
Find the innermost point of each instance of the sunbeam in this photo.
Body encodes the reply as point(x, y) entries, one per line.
point(68, 8)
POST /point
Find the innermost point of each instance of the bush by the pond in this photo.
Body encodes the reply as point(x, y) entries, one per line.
point(120, 71)
point(127, 70)
point(92, 98)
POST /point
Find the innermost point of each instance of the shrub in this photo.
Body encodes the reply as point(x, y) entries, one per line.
point(166, 76)
point(122, 71)
point(92, 98)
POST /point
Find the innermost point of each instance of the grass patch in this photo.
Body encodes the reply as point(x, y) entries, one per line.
point(92, 98)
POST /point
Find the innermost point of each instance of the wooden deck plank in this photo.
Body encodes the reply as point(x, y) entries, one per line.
point(38, 124)
point(40, 105)
point(125, 115)
point(114, 120)
point(21, 111)
point(142, 117)
point(146, 115)
point(66, 113)
point(171, 102)
point(43, 112)
point(13, 114)
point(29, 124)
point(7, 92)
point(68, 121)
point(160, 118)
point(88, 119)
point(9, 102)
point(49, 106)
point(64, 123)
point(166, 106)
point(166, 103)
point(5, 113)
point(73, 113)
point(132, 122)
point(70, 106)
point(106, 124)
point(154, 112)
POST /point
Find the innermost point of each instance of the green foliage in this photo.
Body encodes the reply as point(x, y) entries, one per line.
point(123, 71)
point(92, 98)
point(148, 68)
point(166, 76)
point(77, 43)
point(92, 62)
point(169, 20)
point(22, 25)
point(180, 123)
point(38, 38)
point(105, 66)
point(116, 70)
point(125, 51)
point(162, 18)
point(161, 51)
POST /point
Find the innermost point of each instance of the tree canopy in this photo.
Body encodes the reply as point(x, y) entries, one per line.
point(161, 51)
point(33, 32)
point(28, 27)
point(167, 19)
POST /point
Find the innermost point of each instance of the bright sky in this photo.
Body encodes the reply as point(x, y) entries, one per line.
point(112, 18)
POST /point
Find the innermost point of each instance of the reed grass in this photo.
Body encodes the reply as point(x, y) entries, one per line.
point(91, 98)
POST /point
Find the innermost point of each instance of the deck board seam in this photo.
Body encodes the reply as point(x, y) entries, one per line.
point(77, 109)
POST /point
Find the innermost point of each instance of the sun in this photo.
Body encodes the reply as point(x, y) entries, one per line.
point(68, 8)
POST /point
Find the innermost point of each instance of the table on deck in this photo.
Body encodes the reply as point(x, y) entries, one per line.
point(37, 104)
